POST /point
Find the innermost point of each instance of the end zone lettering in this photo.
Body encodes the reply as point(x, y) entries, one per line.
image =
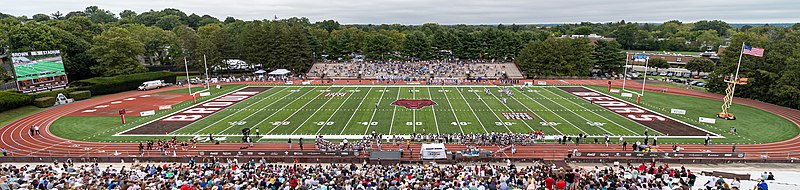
point(197, 112)
point(652, 120)
point(619, 107)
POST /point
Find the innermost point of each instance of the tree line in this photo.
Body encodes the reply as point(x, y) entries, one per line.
point(97, 42)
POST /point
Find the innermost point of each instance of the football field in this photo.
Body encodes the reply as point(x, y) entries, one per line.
point(358, 110)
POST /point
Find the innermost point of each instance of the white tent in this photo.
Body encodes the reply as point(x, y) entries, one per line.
point(261, 72)
point(433, 151)
point(280, 72)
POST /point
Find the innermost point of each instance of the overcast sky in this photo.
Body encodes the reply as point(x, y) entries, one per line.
point(446, 11)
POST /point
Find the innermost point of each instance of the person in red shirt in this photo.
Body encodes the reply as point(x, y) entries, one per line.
point(293, 182)
point(548, 183)
point(561, 185)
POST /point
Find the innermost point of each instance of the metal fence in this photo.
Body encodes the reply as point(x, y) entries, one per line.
point(8, 86)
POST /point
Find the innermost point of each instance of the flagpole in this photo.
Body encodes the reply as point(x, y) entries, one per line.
point(738, 65)
point(644, 81)
point(625, 73)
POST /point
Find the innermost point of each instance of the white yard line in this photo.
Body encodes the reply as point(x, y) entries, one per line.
point(595, 113)
point(493, 113)
point(373, 113)
point(551, 111)
point(356, 111)
point(534, 113)
point(509, 109)
point(391, 125)
point(337, 110)
point(576, 114)
point(435, 121)
point(245, 108)
point(452, 110)
point(473, 111)
point(290, 103)
point(315, 111)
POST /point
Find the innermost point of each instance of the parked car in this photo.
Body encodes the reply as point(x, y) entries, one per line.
point(705, 77)
point(155, 84)
point(700, 84)
point(687, 75)
point(662, 74)
point(693, 82)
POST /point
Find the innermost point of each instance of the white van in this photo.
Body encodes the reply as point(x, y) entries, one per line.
point(149, 85)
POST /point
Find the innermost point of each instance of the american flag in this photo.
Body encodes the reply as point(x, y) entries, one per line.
point(750, 50)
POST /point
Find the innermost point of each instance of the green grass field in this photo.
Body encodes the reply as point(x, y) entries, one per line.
point(14, 114)
point(305, 110)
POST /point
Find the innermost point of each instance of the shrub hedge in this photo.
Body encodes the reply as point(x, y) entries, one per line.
point(80, 95)
point(83, 89)
point(121, 83)
point(55, 93)
point(44, 102)
point(10, 100)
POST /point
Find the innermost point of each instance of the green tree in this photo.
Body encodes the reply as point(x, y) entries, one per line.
point(659, 63)
point(608, 56)
point(720, 26)
point(556, 57)
point(708, 38)
point(210, 40)
point(582, 30)
point(98, 15)
point(115, 51)
point(57, 15)
point(377, 46)
point(700, 64)
point(168, 22)
point(417, 45)
point(341, 43)
point(187, 39)
point(40, 17)
point(161, 46)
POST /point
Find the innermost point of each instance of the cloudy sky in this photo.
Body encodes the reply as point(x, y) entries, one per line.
point(446, 11)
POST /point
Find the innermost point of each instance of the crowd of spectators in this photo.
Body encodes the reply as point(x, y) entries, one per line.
point(475, 139)
point(413, 70)
point(217, 174)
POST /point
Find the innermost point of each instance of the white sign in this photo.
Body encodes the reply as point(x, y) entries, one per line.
point(218, 86)
point(306, 82)
point(147, 113)
point(707, 120)
point(289, 82)
point(165, 107)
point(678, 111)
point(528, 84)
point(205, 94)
point(614, 91)
point(624, 94)
point(541, 83)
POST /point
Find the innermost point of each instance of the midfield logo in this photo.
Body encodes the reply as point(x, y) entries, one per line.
point(414, 104)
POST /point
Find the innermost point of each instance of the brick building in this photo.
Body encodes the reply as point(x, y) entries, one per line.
point(674, 59)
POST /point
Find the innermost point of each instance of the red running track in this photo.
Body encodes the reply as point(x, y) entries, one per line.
point(16, 138)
